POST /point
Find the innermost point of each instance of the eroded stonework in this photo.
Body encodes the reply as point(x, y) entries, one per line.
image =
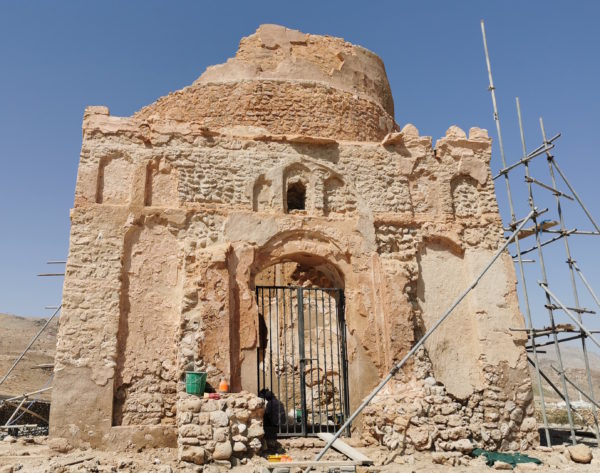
point(181, 208)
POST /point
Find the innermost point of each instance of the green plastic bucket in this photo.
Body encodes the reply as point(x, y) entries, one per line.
point(195, 382)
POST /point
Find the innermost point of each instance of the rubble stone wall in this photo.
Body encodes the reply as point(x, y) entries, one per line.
point(418, 413)
point(219, 430)
point(264, 104)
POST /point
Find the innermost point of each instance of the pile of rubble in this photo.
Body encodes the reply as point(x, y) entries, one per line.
point(419, 414)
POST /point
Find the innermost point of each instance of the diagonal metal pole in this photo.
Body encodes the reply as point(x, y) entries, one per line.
point(398, 366)
point(576, 195)
point(570, 263)
point(545, 276)
point(586, 284)
point(16, 398)
point(555, 388)
point(527, 305)
point(581, 391)
point(582, 327)
point(20, 357)
point(16, 411)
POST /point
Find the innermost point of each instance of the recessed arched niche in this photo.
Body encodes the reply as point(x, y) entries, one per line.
point(297, 189)
point(114, 180)
point(161, 184)
point(465, 196)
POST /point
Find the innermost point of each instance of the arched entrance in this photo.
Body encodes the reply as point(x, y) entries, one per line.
point(302, 366)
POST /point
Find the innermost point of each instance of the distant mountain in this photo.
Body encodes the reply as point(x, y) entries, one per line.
point(574, 365)
point(15, 334)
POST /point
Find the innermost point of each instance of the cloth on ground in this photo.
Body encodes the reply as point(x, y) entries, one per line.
point(510, 458)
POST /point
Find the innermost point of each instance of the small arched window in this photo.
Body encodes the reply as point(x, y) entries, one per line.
point(296, 196)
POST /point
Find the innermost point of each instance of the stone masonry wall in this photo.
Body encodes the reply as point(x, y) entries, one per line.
point(265, 104)
point(417, 413)
point(217, 430)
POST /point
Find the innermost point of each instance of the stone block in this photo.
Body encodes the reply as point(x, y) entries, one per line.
point(223, 451)
point(580, 453)
point(190, 405)
point(210, 405)
point(239, 447)
point(203, 432)
point(256, 430)
point(221, 434)
point(192, 454)
point(219, 419)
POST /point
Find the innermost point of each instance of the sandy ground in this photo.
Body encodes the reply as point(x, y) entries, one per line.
point(15, 334)
point(35, 455)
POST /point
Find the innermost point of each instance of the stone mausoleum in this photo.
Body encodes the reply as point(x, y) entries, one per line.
point(272, 225)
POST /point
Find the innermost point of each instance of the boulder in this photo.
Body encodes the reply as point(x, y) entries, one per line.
point(580, 453)
point(239, 447)
point(219, 419)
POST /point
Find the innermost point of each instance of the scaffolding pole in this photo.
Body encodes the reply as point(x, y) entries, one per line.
point(586, 283)
point(527, 305)
point(554, 387)
point(570, 264)
point(545, 276)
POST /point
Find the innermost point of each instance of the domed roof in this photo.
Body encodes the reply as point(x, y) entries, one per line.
point(285, 81)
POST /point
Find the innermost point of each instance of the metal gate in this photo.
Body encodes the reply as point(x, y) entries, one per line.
point(302, 366)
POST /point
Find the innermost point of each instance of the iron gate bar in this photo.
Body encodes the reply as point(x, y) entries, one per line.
point(270, 343)
point(278, 366)
point(287, 425)
point(341, 364)
point(265, 349)
point(344, 348)
point(331, 411)
point(312, 382)
point(318, 360)
point(302, 359)
point(324, 332)
point(331, 353)
point(293, 363)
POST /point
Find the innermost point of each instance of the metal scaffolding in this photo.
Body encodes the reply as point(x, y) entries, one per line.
point(545, 235)
point(19, 401)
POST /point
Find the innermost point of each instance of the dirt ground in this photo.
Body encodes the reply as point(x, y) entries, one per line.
point(36, 455)
point(15, 334)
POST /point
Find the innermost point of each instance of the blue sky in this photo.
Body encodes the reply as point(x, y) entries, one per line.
point(58, 57)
